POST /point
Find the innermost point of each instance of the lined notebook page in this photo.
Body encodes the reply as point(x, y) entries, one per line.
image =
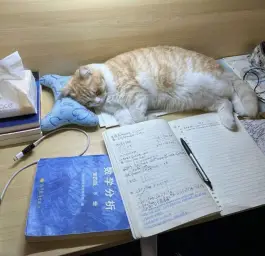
point(232, 160)
point(156, 178)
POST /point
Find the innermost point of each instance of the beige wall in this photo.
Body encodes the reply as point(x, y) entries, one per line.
point(58, 35)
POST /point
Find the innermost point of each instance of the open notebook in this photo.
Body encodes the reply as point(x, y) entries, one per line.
point(159, 185)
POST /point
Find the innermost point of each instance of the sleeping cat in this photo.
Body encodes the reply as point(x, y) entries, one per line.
point(163, 77)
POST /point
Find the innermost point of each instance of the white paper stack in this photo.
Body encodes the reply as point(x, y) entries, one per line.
point(22, 129)
point(107, 120)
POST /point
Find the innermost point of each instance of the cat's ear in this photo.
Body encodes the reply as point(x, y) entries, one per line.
point(84, 72)
point(64, 92)
point(67, 91)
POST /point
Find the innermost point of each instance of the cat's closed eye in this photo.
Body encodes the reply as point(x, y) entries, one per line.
point(98, 92)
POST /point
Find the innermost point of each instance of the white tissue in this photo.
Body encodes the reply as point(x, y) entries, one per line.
point(18, 92)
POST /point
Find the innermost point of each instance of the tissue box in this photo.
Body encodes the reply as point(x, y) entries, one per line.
point(18, 96)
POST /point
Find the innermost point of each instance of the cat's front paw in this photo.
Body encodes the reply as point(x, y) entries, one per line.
point(126, 121)
point(229, 122)
point(145, 118)
point(151, 116)
point(123, 117)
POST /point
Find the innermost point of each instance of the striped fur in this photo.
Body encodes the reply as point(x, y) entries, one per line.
point(163, 77)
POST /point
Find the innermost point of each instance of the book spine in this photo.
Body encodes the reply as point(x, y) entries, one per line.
point(18, 128)
point(19, 134)
point(14, 141)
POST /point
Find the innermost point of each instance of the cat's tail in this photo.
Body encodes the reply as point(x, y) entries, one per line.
point(244, 99)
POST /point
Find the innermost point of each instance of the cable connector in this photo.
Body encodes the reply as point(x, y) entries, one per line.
point(24, 152)
point(30, 147)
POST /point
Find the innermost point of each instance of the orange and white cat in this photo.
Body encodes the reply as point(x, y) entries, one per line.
point(163, 77)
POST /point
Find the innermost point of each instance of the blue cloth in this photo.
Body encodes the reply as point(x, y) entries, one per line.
point(65, 110)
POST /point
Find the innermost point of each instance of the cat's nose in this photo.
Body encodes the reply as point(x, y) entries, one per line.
point(97, 100)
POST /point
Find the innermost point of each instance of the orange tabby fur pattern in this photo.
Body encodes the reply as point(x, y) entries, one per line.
point(163, 77)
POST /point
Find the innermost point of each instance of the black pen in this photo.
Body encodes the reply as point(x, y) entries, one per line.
point(199, 169)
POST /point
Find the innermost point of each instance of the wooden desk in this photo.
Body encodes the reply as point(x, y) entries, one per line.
point(13, 210)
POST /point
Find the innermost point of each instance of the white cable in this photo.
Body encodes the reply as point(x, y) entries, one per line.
point(30, 147)
point(37, 142)
point(12, 177)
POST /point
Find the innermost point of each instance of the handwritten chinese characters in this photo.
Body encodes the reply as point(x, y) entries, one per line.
point(155, 175)
point(231, 160)
point(256, 129)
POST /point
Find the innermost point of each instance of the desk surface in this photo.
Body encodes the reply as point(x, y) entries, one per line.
point(13, 210)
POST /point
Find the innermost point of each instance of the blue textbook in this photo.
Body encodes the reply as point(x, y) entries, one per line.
point(74, 196)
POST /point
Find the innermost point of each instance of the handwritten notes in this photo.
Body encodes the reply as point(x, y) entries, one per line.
point(232, 160)
point(157, 181)
point(256, 129)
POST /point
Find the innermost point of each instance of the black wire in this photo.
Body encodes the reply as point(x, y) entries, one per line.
point(254, 72)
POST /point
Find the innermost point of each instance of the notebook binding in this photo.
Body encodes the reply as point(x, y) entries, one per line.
point(216, 199)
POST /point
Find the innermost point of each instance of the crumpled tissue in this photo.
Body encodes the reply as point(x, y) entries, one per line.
point(18, 92)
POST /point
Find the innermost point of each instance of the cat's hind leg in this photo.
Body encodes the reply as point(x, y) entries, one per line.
point(224, 109)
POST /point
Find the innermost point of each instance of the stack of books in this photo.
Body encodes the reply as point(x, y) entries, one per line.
point(22, 129)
